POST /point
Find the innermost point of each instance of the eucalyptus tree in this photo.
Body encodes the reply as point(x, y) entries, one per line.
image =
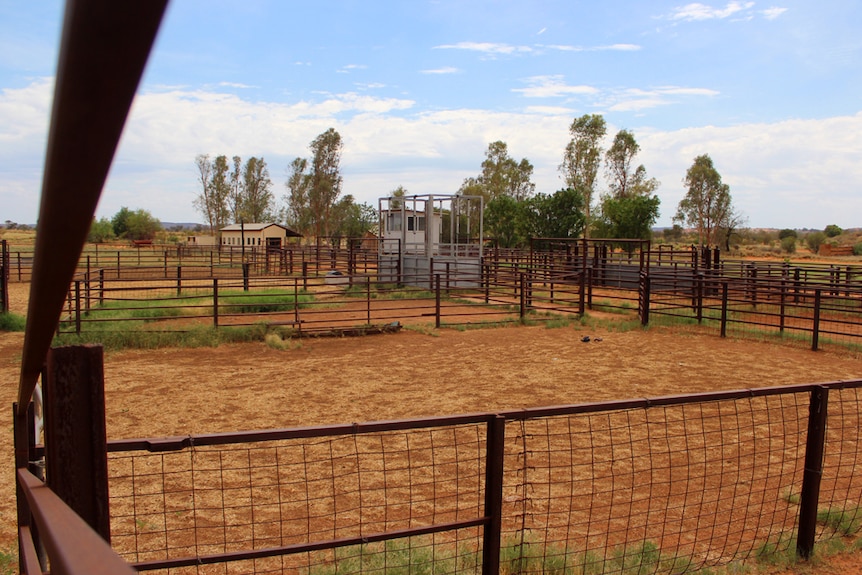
point(624, 179)
point(298, 213)
point(707, 204)
point(234, 192)
point(257, 197)
point(501, 175)
point(203, 201)
point(314, 186)
point(582, 159)
point(630, 208)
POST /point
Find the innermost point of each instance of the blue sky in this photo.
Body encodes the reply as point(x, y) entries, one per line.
point(772, 91)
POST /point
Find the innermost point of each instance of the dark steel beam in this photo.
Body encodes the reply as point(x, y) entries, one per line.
point(74, 548)
point(103, 51)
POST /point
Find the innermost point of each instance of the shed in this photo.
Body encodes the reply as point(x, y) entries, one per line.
point(270, 235)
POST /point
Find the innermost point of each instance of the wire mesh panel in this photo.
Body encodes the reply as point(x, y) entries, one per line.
point(840, 502)
point(223, 499)
point(672, 487)
point(643, 486)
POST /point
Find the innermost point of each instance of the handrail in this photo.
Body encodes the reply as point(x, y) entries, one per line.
point(103, 51)
point(73, 547)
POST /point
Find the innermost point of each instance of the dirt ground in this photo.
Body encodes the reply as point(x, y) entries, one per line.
point(419, 372)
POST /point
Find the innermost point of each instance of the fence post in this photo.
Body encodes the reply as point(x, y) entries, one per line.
point(101, 286)
point(486, 279)
point(782, 308)
point(76, 460)
point(724, 290)
point(582, 280)
point(644, 299)
point(437, 300)
point(368, 299)
point(78, 307)
point(215, 302)
point(245, 268)
point(523, 284)
point(813, 471)
point(304, 273)
point(179, 280)
point(296, 300)
point(493, 495)
point(699, 293)
point(815, 335)
point(4, 277)
point(753, 284)
point(25, 457)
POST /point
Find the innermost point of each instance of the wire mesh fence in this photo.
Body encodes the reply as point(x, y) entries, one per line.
point(666, 485)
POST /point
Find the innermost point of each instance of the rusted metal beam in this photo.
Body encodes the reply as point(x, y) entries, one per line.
point(74, 548)
point(103, 51)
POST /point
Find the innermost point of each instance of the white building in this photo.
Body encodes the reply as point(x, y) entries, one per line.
point(269, 235)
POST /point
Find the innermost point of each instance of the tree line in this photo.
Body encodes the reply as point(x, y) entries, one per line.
point(240, 192)
point(627, 208)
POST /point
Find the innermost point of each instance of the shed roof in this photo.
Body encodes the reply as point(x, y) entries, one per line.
point(260, 227)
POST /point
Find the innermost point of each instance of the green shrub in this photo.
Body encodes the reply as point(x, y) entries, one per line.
point(832, 231)
point(814, 241)
point(788, 244)
point(857, 249)
point(787, 233)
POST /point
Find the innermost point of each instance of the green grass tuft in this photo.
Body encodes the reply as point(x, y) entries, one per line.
point(12, 322)
point(842, 521)
point(8, 562)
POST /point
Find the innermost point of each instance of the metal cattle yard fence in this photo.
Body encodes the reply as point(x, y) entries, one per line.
point(816, 304)
point(671, 484)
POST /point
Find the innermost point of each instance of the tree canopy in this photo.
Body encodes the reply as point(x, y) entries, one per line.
point(501, 176)
point(241, 194)
point(582, 158)
point(314, 187)
point(707, 204)
point(135, 225)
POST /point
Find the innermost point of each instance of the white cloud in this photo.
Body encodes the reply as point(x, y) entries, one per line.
point(488, 48)
point(551, 87)
point(444, 70)
point(773, 12)
point(697, 11)
point(24, 111)
point(351, 67)
point(550, 110)
point(791, 173)
point(234, 85)
point(636, 99)
point(609, 47)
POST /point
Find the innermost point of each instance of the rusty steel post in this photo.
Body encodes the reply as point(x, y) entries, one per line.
point(815, 330)
point(437, 300)
point(813, 471)
point(493, 495)
point(215, 303)
point(76, 460)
